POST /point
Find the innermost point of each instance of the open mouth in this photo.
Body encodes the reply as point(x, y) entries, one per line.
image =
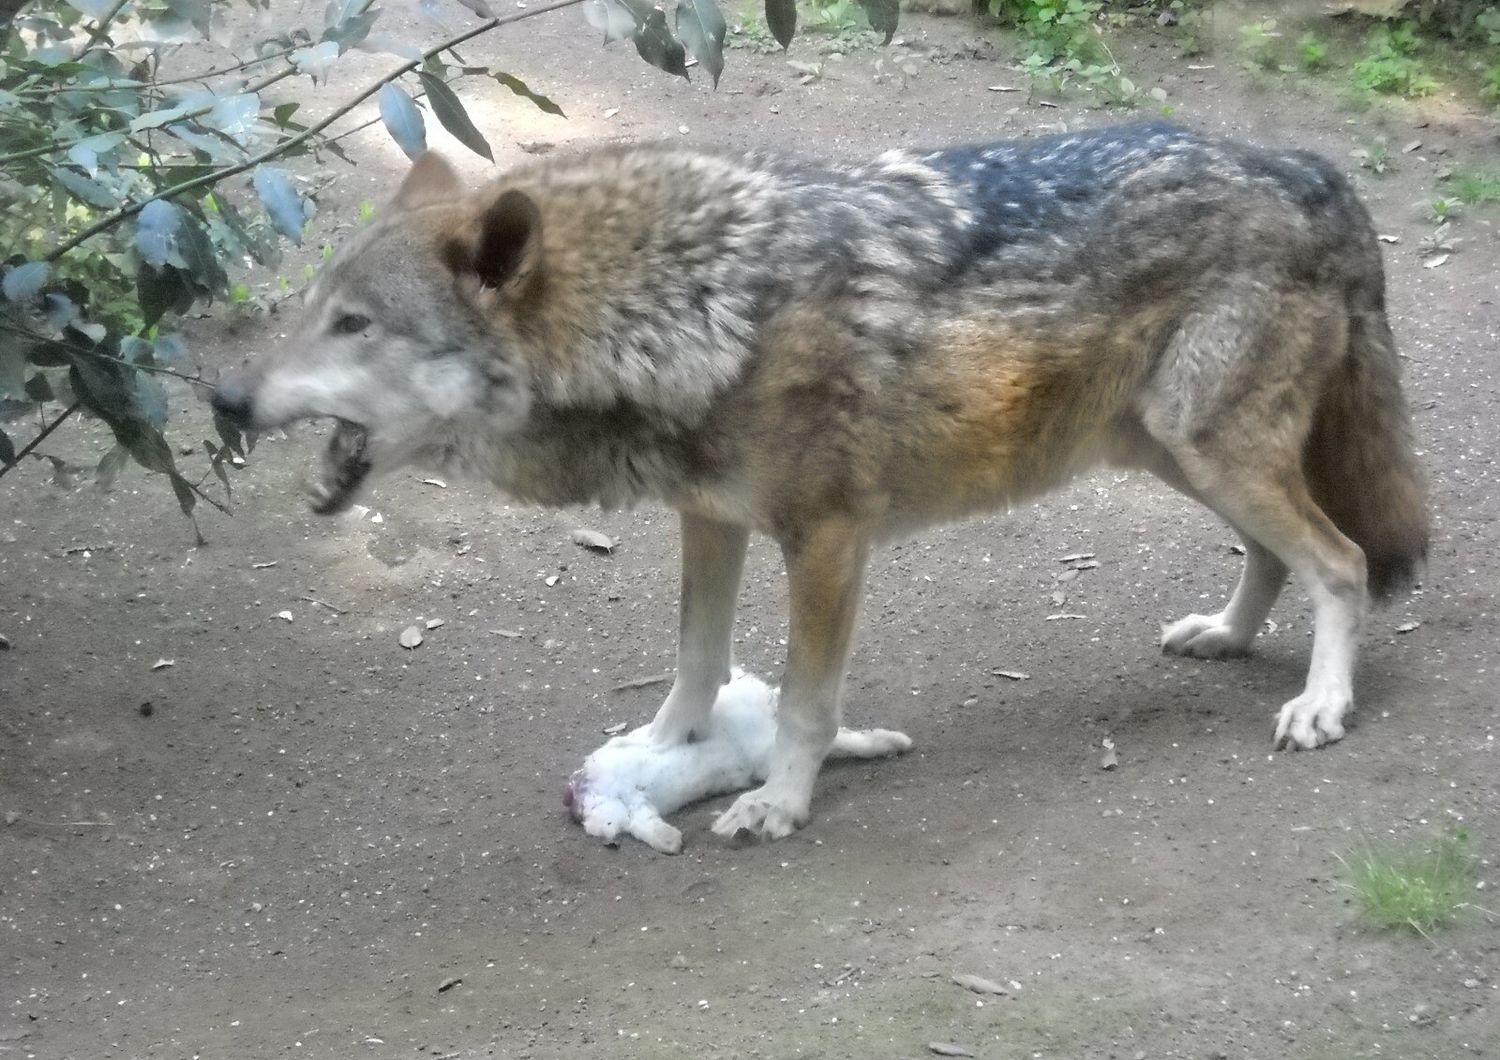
point(345, 467)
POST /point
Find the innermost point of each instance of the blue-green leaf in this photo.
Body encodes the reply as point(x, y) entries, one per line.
point(92, 8)
point(702, 29)
point(451, 113)
point(351, 31)
point(24, 282)
point(315, 61)
point(609, 17)
point(402, 120)
point(84, 188)
point(60, 311)
point(150, 399)
point(236, 116)
point(169, 349)
point(156, 233)
point(85, 153)
point(283, 204)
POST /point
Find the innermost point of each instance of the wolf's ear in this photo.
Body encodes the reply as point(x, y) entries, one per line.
point(431, 179)
point(508, 248)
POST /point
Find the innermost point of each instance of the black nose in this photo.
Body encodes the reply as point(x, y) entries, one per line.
point(232, 401)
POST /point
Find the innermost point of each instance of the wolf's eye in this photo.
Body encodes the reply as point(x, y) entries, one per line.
point(351, 324)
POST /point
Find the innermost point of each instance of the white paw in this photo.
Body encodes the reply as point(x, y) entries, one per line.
point(869, 743)
point(1312, 720)
point(763, 812)
point(1204, 637)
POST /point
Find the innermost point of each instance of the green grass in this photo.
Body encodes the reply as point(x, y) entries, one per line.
point(1392, 68)
point(1474, 187)
point(1421, 890)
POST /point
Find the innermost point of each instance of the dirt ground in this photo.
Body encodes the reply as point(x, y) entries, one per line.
point(301, 840)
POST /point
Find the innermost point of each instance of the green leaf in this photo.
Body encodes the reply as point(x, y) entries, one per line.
point(155, 119)
point(402, 120)
point(7, 450)
point(199, 257)
point(883, 16)
point(44, 353)
point(38, 388)
point(219, 148)
point(110, 466)
point(702, 29)
point(611, 18)
point(236, 116)
point(451, 113)
point(84, 188)
point(519, 87)
point(220, 458)
point(351, 30)
point(283, 113)
point(781, 20)
point(186, 498)
point(85, 153)
point(101, 385)
point(281, 201)
point(145, 444)
point(158, 290)
point(655, 43)
point(229, 434)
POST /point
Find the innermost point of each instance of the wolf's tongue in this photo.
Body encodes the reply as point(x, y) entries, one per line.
point(344, 468)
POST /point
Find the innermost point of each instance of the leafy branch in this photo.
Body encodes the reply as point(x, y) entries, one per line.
point(282, 148)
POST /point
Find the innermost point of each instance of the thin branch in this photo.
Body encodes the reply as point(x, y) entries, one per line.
point(111, 86)
point(223, 509)
point(151, 369)
point(195, 112)
point(217, 175)
point(101, 28)
point(40, 438)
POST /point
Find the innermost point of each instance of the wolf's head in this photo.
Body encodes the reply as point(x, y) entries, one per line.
point(403, 338)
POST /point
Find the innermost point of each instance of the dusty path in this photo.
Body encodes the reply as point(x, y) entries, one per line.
point(312, 831)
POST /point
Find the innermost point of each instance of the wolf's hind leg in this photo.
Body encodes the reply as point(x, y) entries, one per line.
point(713, 558)
point(1234, 408)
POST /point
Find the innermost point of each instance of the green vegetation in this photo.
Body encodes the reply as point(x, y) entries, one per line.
point(1392, 66)
point(1474, 187)
point(1420, 890)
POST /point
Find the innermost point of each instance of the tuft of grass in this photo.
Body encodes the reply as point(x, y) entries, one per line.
point(1474, 187)
point(1420, 890)
point(1392, 67)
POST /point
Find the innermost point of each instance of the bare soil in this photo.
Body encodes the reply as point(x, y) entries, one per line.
point(301, 840)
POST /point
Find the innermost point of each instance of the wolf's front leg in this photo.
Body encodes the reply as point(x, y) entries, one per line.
point(713, 558)
point(825, 569)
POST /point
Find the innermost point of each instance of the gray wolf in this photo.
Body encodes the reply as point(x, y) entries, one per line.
point(630, 783)
point(835, 355)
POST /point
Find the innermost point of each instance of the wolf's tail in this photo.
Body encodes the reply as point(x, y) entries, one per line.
point(1359, 460)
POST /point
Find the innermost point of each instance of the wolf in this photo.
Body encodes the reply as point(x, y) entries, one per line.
point(836, 354)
